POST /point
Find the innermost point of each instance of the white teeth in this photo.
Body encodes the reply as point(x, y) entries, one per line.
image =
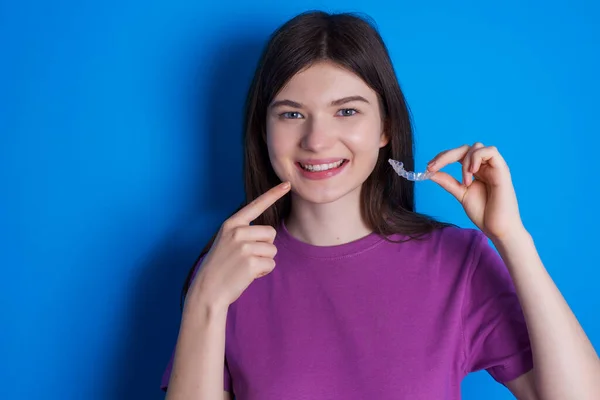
point(321, 167)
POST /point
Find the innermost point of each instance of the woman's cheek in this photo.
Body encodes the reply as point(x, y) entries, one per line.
point(362, 141)
point(277, 162)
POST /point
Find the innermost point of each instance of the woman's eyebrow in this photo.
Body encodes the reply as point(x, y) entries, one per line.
point(338, 102)
point(348, 99)
point(286, 102)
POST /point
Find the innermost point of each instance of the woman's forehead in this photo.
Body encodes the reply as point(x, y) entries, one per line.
point(323, 84)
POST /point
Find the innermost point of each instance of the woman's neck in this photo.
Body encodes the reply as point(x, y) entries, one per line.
point(328, 224)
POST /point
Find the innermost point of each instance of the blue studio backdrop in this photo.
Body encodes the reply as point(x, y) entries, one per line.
point(120, 155)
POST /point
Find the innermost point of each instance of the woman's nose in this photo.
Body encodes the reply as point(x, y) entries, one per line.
point(318, 137)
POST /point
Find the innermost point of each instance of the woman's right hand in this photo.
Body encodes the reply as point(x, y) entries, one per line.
point(240, 254)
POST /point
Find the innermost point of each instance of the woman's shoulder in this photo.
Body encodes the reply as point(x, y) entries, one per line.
point(447, 254)
point(456, 235)
point(447, 236)
point(450, 243)
point(467, 247)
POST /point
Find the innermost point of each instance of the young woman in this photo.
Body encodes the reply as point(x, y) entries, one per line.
point(330, 286)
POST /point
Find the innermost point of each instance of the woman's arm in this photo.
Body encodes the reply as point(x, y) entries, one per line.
point(566, 365)
point(199, 354)
point(240, 254)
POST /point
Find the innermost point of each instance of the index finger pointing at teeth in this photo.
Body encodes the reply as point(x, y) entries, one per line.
point(255, 208)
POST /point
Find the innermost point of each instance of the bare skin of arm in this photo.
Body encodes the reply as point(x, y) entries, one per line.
point(240, 254)
point(566, 364)
point(198, 364)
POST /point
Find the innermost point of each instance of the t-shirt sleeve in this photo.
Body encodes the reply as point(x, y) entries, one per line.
point(164, 383)
point(495, 333)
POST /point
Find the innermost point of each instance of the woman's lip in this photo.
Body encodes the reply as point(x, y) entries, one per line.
point(319, 175)
point(314, 161)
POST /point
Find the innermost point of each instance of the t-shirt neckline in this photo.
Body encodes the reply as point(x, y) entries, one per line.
point(285, 238)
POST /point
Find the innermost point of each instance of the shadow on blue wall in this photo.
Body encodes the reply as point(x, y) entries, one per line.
point(153, 319)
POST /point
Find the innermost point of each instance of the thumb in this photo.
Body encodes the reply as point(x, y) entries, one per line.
point(450, 184)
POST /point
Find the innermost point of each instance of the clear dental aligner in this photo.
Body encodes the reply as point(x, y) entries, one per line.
point(411, 176)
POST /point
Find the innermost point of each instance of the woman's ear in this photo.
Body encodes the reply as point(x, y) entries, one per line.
point(384, 139)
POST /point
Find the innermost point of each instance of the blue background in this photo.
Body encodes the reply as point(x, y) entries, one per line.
point(120, 154)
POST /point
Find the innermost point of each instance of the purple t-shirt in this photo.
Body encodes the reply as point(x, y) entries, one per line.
point(372, 319)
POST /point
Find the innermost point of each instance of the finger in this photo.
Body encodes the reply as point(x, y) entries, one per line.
point(434, 159)
point(447, 157)
point(486, 155)
point(260, 249)
point(262, 266)
point(450, 184)
point(254, 233)
point(468, 162)
point(255, 208)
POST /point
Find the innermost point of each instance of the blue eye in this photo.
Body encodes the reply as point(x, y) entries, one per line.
point(291, 115)
point(347, 112)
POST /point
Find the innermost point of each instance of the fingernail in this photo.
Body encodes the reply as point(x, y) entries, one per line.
point(286, 185)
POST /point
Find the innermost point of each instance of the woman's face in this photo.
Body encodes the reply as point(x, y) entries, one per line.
point(324, 132)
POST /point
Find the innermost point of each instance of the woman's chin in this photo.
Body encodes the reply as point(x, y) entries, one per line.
point(323, 196)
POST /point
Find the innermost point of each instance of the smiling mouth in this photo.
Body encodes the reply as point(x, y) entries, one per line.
point(322, 167)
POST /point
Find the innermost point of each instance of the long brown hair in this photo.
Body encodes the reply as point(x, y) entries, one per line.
point(351, 41)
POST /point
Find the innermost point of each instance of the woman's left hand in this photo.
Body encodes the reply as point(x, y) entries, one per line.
point(486, 192)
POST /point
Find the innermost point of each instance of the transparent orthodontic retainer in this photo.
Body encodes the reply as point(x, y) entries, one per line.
point(411, 176)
